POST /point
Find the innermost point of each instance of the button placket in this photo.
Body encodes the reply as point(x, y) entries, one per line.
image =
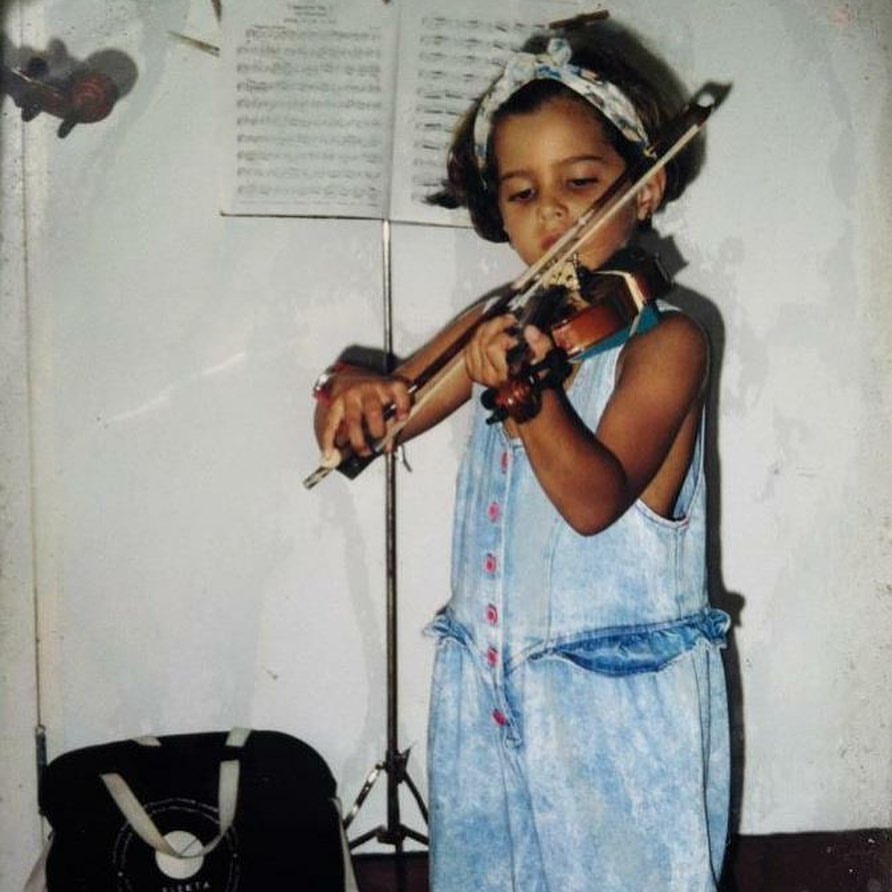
point(492, 540)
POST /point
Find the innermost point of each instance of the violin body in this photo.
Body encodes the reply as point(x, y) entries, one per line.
point(614, 296)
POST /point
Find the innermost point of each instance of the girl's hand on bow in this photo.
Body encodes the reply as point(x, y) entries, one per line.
point(354, 414)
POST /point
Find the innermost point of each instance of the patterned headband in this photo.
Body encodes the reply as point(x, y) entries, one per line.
point(524, 68)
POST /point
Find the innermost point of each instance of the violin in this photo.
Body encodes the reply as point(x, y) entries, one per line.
point(614, 296)
point(83, 98)
point(610, 314)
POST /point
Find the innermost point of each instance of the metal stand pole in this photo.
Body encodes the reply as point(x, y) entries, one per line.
point(394, 764)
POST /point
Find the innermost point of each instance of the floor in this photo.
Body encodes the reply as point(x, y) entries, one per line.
point(856, 861)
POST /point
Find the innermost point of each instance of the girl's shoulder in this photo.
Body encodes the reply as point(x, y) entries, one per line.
point(678, 345)
point(676, 330)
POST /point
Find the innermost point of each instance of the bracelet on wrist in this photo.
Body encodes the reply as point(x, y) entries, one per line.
point(322, 385)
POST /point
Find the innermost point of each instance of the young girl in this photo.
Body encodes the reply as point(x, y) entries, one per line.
point(578, 724)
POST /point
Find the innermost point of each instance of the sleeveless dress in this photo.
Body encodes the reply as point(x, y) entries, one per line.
point(578, 735)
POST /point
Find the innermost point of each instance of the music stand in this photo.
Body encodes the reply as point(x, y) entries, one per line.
point(394, 763)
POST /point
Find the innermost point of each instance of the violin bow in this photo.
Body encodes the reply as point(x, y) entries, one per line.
point(677, 134)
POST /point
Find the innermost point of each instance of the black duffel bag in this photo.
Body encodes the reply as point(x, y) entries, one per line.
point(211, 812)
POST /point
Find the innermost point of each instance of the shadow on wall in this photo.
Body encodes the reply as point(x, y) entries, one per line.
point(704, 311)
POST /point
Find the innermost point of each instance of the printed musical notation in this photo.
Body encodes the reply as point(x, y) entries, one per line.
point(308, 94)
point(347, 109)
point(448, 56)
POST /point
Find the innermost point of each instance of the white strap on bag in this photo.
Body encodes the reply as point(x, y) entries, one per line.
point(350, 884)
point(36, 881)
point(144, 826)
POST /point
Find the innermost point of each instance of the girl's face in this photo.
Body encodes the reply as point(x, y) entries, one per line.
point(552, 164)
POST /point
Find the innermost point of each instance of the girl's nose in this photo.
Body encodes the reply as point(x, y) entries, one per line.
point(551, 208)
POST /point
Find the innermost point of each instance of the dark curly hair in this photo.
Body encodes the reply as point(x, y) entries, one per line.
point(616, 54)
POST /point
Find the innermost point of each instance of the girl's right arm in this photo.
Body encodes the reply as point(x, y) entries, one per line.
point(352, 415)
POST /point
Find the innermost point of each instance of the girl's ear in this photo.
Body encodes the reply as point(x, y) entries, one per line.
point(650, 197)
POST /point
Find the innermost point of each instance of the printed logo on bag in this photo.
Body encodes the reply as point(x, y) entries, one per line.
point(188, 887)
point(188, 826)
point(180, 868)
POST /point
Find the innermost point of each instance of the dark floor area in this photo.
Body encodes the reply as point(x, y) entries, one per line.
point(384, 873)
point(855, 861)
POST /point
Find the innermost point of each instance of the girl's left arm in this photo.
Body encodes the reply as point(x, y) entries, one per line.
point(643, 440)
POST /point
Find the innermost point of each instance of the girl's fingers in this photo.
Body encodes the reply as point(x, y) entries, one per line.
point(356, 415)
point(485, 359)
point(540, 343)
point(330, 428)
point(401, 399)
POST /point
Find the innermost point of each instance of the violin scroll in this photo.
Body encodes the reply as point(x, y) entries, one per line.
point(83, 98)
point(520, 398)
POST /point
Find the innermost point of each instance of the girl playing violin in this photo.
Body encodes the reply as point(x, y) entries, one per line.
point(578, 733)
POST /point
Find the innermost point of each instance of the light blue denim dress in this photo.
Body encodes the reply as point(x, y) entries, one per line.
point(578, 732)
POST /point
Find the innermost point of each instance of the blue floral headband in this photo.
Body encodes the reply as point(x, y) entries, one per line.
point(524, 68)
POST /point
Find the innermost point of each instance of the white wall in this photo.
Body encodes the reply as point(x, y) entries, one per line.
point(184, 578)
point(19, 823)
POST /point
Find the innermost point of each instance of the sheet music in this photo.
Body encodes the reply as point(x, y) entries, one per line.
point(308, 107)
point(345, 108)
point(449, 54)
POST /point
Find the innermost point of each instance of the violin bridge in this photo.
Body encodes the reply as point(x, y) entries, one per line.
point(566, 275)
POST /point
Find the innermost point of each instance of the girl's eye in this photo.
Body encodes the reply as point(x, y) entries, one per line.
point(521, 195)
point(583, 182)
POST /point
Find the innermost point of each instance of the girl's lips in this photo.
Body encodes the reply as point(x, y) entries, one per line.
point(549, 240)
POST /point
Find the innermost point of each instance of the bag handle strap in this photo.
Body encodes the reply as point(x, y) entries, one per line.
point(350, 884)
point(36, 881)
point(144, 826)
